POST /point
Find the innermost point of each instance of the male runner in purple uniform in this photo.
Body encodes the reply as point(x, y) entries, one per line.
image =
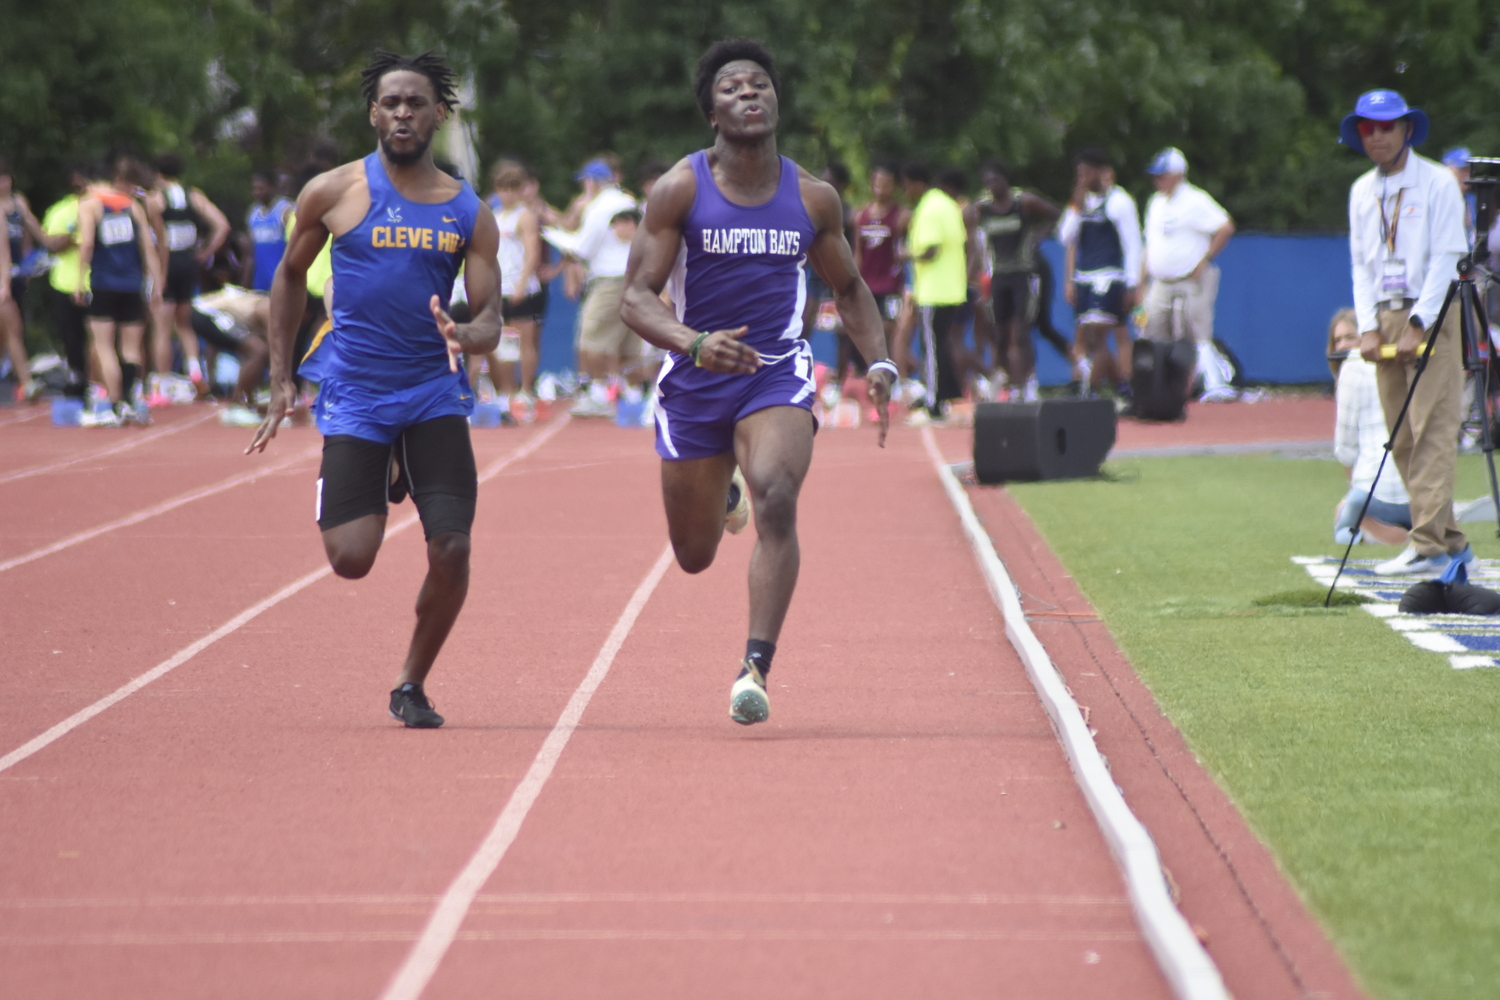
point(734, 227)
point(394, 402)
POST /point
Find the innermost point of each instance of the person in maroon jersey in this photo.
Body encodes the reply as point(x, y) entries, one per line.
point(879, 229)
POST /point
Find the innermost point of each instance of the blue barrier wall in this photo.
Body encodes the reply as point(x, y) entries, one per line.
point(1276, 296)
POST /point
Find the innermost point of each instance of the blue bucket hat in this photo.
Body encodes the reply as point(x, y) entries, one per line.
point(1382, 106)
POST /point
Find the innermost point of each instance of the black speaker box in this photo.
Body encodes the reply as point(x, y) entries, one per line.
point(1049, 439)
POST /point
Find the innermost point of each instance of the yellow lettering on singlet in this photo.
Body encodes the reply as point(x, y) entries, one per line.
point(427, 239)
point(380, 237)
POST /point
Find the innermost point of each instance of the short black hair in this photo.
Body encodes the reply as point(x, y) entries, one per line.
point(1094, 157)
point(839, 172)
point(429, 64)
point(169, 165)
point(996, 168)
point(263, 175)
point(888, 167)
point(719, 55)
point(4, 166)
point(652, 169)
point(952, 178)
point(916, 171)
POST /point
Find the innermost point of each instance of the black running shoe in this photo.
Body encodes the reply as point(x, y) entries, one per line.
point(409, 705)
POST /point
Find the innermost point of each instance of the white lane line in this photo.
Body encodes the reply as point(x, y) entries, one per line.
point(21, 420)
point(583, 898)
point(78, 718)
point(161, 508)
point(134, 441)
point(1183, 960)
point(443, 926)
point(133, 938)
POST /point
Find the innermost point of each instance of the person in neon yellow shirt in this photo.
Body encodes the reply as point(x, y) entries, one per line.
point(937, 242)
point(60, 237)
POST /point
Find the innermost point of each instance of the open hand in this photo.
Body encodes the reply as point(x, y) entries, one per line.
point(449, 332)
point(283, 397)
point(721, 351)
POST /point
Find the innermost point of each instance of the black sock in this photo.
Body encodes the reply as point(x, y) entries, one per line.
point(759, 652)
point(128, 374)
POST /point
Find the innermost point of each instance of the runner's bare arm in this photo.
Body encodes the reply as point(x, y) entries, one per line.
point(481, 335)
point(830, 256)
point(154, 205)
point(88, 225)
point(289, 293)
point(156, 267)
point(218, 225)
point(652, 257)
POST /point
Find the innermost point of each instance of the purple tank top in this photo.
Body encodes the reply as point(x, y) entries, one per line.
point(744, 265)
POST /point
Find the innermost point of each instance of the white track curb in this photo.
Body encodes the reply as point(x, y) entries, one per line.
point(1187, 967)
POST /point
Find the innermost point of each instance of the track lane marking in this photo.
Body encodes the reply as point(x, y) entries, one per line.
point(72, 722)
point(1188, 969)
point(166, 505)
point(589, 898)
point(127, 938)
point(443, 926)
point(133, 442)
point(21, 420)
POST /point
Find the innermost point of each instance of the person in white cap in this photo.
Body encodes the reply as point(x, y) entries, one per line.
point(1406, 235)
point(1185, 230)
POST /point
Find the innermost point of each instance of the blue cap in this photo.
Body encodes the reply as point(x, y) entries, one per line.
point(1382, 106)
point(595, 170)
point(1168, 161)
point(1458, 157)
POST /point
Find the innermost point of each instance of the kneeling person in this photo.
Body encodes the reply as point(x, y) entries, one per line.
point(394, 400)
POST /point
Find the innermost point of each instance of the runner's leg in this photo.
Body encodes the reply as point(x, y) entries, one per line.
point(774, 447)
point(695, 492)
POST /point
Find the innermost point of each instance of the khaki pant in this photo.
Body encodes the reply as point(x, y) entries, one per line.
point(1197, 307)
point(600, 328)
point(1426, 448)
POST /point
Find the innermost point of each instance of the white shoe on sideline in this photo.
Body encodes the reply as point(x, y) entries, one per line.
point(1482, 509)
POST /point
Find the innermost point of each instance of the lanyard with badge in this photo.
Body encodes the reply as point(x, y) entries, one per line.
point(1393, 270)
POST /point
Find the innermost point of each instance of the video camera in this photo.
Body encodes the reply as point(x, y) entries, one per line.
point(1484, 182)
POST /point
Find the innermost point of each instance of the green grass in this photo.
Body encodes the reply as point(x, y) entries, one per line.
point(1372, 768)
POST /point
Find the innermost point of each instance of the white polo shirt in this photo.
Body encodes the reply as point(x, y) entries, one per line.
point(595, 243)
point(1423, 205)
point(1179, 229)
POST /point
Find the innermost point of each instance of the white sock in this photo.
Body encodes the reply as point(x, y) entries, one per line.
point(1085, 370)
point(195, 370)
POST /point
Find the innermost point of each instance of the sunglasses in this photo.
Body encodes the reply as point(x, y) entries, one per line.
point(1367, 127)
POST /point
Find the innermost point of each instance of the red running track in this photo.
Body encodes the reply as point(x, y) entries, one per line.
point(251, 824)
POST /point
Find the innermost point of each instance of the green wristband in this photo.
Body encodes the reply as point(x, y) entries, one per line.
point(697, 344)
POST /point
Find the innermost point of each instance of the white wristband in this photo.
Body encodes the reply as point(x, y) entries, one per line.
point(885, 365)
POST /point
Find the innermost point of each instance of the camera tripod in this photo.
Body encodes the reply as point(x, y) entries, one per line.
point(1475, 338)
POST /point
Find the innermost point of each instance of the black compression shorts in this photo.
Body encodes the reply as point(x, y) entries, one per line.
point(531, 307)
point(437, 466)
point(122, 307)
point(182, 279)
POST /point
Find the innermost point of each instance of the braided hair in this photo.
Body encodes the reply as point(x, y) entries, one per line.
point(429, 64)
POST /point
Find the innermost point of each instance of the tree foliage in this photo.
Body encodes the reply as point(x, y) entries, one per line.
point(1251, 90)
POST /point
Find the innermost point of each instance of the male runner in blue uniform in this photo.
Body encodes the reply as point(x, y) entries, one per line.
point(734, 227)
point(394, 402)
